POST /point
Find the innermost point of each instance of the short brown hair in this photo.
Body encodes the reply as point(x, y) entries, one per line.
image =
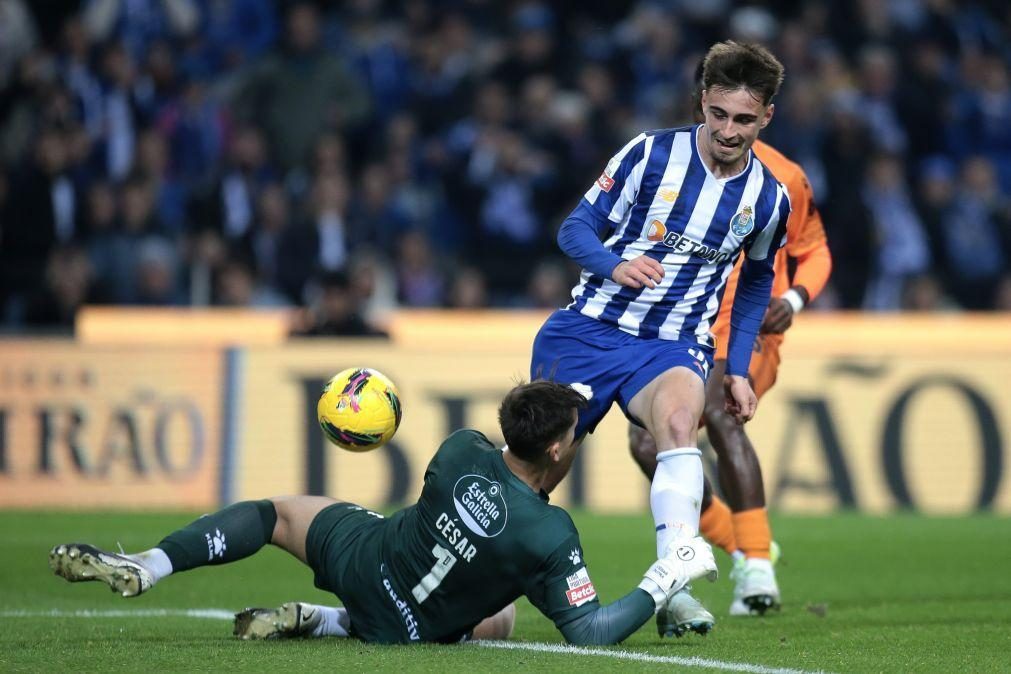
point(537, 414)
point(732, 65)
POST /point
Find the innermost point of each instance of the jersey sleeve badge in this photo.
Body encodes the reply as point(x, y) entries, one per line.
point(605, 182)
point(581, 589)
point(606, 179)
point(743, 222)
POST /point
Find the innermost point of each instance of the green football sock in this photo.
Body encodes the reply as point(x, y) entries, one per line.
point(228, 535)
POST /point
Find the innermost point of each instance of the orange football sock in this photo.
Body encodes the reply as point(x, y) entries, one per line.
point(717, 526)
point(751, 527)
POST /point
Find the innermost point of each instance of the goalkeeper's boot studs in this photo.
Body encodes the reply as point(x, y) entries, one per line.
point(79, 562)
point(290, 620)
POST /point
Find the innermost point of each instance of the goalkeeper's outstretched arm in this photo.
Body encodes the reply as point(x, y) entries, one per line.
point(613, 623)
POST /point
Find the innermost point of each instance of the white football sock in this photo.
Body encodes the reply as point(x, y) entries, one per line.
point(154, 560)
point(335, 623)
point(676, 495)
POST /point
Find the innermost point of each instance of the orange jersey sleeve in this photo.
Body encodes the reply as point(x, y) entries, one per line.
point(805, 238)
point(805, 234)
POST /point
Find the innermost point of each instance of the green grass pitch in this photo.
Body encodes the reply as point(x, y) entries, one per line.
point(862, 594)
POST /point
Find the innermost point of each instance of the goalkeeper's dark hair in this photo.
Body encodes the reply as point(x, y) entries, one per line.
point(534, 415)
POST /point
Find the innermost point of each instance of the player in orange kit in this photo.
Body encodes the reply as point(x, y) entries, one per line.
point(742, 527)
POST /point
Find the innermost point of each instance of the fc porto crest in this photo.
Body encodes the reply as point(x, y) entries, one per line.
point(742, 223)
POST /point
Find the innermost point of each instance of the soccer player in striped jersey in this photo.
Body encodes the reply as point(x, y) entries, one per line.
point(657, 236)
point(742, 527)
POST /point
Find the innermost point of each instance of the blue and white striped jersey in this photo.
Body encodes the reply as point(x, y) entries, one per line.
point(660, 199)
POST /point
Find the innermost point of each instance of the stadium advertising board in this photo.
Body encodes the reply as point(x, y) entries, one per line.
point(860, 418)
point(104, 427)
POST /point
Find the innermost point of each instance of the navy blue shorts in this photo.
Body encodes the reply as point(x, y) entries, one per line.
point(606, 364)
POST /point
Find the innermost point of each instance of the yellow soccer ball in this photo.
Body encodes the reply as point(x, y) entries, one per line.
point(359, 409)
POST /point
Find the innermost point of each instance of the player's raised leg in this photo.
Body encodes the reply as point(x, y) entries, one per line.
point(715, 523)
point(670, 407)
point(231, 534)
point(740, 476)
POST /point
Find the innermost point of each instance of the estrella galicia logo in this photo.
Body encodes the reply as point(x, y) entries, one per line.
point(742, 223)
point(480, 505)
point(686, 553)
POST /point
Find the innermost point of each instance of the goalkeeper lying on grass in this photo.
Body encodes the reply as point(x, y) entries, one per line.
point(444, 570)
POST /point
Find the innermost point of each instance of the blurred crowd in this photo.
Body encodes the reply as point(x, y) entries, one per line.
point(353, 157)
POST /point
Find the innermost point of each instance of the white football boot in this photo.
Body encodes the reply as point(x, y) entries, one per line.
point(683, 613)
point(290, 620)
point(755, 587)
point(80, 562)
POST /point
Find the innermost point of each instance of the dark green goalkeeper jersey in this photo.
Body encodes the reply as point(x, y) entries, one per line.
point(478, 538)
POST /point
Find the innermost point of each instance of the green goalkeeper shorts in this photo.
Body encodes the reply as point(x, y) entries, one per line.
point(343, 548)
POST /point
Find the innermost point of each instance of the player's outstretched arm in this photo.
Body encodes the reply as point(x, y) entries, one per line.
point(613, 623)
point(750, 303)
point(610, 624)
point(749, 306)
point(754, 289)
point(579, 238)
point(602, 207)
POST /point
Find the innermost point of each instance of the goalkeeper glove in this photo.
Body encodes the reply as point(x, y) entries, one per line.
point(686, 560)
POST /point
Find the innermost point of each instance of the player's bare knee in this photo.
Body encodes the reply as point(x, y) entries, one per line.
point(721, 423)
point(713, 410)
point(682, 424)
point(498, 626)
point(716, 415)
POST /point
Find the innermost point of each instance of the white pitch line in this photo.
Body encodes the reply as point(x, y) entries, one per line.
point(640, 657)
point(223, 614)
point(210, 613)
